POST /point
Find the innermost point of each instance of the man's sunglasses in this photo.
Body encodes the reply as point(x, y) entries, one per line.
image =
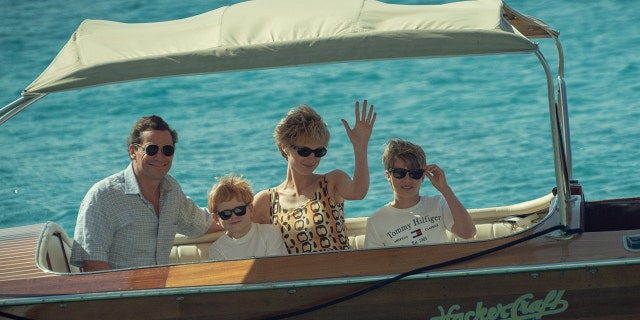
point(152, 149)
point(306, 151)
point(226, 214)
point(400, 173)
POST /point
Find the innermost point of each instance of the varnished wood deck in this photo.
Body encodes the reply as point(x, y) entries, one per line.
point(18, 253)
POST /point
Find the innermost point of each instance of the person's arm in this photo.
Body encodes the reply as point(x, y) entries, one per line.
point(261, 207)
point(357, 188)
point(94, 265)
point(94, 232)
point(215, 227)
point(195, 221)
point(463, 225)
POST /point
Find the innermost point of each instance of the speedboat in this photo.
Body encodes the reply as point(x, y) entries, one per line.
point(558, 256)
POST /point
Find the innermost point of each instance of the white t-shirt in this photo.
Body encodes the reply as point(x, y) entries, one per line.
point(261, 240)
point(424, 223)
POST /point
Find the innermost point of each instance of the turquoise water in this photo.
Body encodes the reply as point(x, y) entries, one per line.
point(483, 119)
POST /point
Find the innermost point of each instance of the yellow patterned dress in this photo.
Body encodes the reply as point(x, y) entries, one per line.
point(317, 225)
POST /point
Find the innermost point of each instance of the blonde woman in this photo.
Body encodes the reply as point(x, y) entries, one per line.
point(307, 206)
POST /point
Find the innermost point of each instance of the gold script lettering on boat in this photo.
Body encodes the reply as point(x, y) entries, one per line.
point(523, 308)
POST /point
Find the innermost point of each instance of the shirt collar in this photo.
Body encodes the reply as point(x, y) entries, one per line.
point(131, 183)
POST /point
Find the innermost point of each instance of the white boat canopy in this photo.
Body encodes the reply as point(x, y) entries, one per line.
point(274, 33)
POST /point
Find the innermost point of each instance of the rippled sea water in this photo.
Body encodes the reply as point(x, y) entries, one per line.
point(484, 120)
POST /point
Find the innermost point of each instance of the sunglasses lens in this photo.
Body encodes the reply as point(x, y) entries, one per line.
point(240, 211)
point(320, 152)
point(168, 150)
point(399, 173)
point(416, 173)
point(151, 150)
point(226, 214)
point(304, 151)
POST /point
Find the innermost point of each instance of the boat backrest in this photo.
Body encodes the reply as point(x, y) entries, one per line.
point(54, 250)
point(54, 247)
point(487, 231)
point(197, 249)
point(187, 250)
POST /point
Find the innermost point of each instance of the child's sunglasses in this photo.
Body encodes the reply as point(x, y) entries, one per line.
point(226, 214)
point(400, 173)
point(306, 151)
point(152, 149)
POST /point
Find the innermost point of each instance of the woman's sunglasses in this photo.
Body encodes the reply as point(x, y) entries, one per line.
point(152, 149)
point(306, 151)
point(226, 214)
point(400, 173)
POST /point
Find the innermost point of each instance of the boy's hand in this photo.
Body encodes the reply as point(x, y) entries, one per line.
point(436, 176)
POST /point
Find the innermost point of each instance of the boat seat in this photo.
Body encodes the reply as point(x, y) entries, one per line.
point(54, 246)
point(197, 249)
point(486, 231)
point(54, 250)
point(187, 250)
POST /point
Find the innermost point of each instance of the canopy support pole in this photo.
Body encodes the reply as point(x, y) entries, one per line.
point(18, 105)
point(562, 101)
point(559, 147)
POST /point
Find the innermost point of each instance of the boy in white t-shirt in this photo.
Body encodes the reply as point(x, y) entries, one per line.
point(411, 219)
point(230, 201)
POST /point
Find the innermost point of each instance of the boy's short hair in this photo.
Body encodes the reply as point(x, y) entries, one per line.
point(411, 154)
point(227, 188)
point(301, 122)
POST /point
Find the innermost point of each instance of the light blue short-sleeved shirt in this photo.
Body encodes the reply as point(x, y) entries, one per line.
point(117, 225)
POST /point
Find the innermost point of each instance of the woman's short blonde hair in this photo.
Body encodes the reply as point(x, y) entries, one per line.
point(411, 154)
point(300, 123)
point(227, 188)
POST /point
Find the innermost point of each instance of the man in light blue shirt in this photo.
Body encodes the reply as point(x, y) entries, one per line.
point(130, 219)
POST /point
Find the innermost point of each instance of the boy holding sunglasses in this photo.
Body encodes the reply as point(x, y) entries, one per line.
point(230, 203)
point(411, 219)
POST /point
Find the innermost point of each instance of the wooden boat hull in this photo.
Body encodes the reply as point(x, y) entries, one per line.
point(590, 276)
point(550, 292)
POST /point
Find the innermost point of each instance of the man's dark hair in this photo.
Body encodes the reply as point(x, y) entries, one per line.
point(149, 123)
